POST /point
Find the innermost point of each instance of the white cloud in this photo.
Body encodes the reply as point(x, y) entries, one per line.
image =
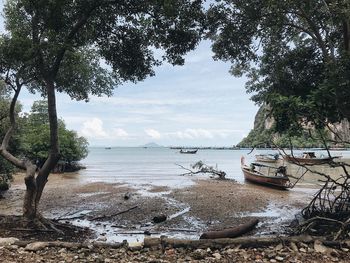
point(93, 128)
point(154, 134)
point(202, 133)
point(118, 132)
point(194, 133)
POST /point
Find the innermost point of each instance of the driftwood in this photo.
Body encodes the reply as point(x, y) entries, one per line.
point(112, 215)
point(243, 242)
point(231, 232)
point(201, 168)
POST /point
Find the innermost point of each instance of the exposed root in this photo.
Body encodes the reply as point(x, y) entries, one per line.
point(41, 227)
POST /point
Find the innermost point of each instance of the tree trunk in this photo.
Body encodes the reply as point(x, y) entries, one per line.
point(35, 186)
point(346, 35)
point(29, 211)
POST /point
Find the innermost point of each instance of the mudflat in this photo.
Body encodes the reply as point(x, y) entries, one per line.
point(117, 211)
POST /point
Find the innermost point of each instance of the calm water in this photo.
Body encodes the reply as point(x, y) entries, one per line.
point(157, 166)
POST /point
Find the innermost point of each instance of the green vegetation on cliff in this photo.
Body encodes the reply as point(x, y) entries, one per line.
point(263, 135)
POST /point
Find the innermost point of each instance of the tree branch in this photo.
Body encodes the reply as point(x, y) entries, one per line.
point(5, 142)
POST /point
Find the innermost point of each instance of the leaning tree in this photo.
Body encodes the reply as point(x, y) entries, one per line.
point(296, 55)
point(60, 45)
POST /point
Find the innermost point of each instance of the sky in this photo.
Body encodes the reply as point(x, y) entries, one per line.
point(198, 104)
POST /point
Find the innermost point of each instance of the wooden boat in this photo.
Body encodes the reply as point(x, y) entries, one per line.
point(188, 151)
point(308, 158)
point(267, 158)
point(279, 179)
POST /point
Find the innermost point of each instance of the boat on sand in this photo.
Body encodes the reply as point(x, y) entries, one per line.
point(308, 158)
point(275, 177)
point(267, 158)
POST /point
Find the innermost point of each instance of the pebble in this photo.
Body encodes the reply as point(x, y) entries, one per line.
point(319, 247)
point(279, 246)
point(217, 256)
point(280, 259)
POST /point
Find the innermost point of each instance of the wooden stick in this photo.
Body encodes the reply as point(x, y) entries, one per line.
point(119, 213)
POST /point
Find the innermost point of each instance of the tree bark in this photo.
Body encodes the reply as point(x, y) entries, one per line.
point(54, 154)
point(29, 210)
point(346, 35)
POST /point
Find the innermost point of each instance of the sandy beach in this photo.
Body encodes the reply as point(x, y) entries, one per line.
point(120, 211)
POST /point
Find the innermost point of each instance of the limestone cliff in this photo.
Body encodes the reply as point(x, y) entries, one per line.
point(262, 135)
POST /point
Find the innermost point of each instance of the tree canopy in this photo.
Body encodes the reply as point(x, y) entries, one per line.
point(296, 55)
point(59, 46)
point(35, 141)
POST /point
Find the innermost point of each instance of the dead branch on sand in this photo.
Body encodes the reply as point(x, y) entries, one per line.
point(112, 215)
point(201, 168)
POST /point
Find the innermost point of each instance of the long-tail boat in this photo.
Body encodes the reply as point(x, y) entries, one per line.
point(189, 151)
point(267, 158)
point(308, 158)
point(278, 178)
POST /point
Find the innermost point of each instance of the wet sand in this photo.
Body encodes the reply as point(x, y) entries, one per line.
point(207, 205)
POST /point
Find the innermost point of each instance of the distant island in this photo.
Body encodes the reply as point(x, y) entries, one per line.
point(151, 145)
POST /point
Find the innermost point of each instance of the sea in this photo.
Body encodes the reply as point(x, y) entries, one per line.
point(161, 166)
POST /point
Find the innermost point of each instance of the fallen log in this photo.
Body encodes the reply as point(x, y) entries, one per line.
point(231, 232)
point(243, 242)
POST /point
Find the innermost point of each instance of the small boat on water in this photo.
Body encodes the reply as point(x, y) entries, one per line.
point(108, 148)
point(278, 178)
point(308, 158)
point(189, 151)
point(267, 158)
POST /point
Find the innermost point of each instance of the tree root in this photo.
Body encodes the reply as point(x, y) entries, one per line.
point(332, 228)
point(46, 228)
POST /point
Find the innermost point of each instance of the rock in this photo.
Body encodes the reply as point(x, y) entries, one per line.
point(8, 241)
point(303, 250)
point(62, 250)
point(272, 260)
point(280, 259)
point(294, 247)
point(230, 251)
point(159, 218)
point(217, 256)
point(279, 246)
point(319, 247)
point(244, 254)
point(271, 255)
point(345, 249)
point(35, 246)
point(102, 239)
point(170, 252)
point(199, 254)
point(127, 196)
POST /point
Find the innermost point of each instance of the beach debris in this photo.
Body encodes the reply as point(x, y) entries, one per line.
point(127, 196)
point(231, 232)
point(201, 168)
point(159, 218)
point(115, 214)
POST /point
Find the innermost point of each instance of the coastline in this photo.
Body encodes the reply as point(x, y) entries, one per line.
point(207, 205)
